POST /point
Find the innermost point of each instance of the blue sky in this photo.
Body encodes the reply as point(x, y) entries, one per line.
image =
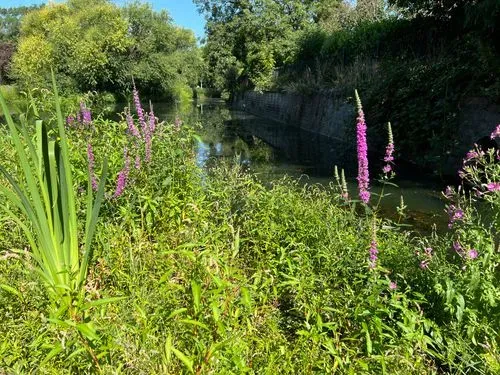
point(183, 12)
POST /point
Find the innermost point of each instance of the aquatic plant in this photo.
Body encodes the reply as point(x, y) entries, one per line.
point(362, 152)
point(389, 151)
point(121, 181)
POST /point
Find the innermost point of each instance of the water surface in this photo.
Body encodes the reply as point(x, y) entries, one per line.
point(272, 150)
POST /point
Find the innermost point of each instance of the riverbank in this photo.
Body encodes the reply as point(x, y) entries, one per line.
point(196, 271)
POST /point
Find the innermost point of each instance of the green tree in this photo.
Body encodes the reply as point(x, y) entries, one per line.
point(251, 36)
point(81, 39)
point(10, 21)
point(95, 45)
point(163, 58)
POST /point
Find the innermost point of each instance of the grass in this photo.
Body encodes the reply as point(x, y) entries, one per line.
point(221, 274)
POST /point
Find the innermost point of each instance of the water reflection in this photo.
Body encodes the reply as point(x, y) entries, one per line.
point(272, 150)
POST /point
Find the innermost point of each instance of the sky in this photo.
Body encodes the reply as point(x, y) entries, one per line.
point(183, 12)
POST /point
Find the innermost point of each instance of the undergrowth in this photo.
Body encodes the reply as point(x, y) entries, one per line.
point(223, 275)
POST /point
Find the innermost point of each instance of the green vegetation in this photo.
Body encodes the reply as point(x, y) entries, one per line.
point(217, 273)
point(97, 46)
point(120, 254)
point(415, 62)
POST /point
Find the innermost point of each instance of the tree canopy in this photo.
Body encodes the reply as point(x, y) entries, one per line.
point(95, 45)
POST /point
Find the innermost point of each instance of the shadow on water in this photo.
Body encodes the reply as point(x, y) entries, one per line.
point(272, 150)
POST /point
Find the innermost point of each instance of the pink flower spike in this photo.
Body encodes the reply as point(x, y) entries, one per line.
point(362, 149)
point(493, 186)
point(496, 132)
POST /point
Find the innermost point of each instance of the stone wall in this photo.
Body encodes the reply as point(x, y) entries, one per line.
point(333, 116)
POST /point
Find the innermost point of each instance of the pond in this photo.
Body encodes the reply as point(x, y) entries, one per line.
point(272, 150)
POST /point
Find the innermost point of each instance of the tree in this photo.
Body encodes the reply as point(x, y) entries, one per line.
point(82, 39)
point(251, 37)
point(6, 52)
point(95, 45)
point(163, 58)
point(10, 21)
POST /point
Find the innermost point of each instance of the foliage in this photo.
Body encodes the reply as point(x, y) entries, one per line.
point(10, 21)
point(41, 201)
point(164, 59)
point(225, 275)
point(6, 52)
point(416, 71)
point(99, 46)
point(248, 39)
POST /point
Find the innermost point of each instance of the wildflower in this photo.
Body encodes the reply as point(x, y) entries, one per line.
point(428, 251)
point(362, 149)
point(86, 117)
point(449, 192)
point(345, 192)
point(455, 214)
point(137, 162)
point(496, 132)
point(138, 108)
point(471, 155)
point(70, 120)
point(472, 254)
point(91, 161)
point(132, 129)
point(458, 248)
point(121, 181)
point(152, 119)
point(393, 285)
point(389, 150)
point(493, 186)
point(424, 264)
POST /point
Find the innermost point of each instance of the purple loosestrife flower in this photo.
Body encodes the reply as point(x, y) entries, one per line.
point(472, 254)
point(70, 120)
point(496, 132)
point(138, 108)
point(457, 246)
point(137, 162)
point(449, 192)
point(362, 150)
point(455, 214)
point(471, 155)
point(121, 181)
point(393, 285)
point(132, 129)
point(86, 117)
point(91, 161)
point(152, 119)
point(493, 186)
point(389, 151)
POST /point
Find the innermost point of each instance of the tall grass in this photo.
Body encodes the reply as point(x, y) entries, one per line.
point(225, 275)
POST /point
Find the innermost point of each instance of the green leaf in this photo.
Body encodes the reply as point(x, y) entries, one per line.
point(88, 331)
point(55, 351)
point(194, 323)
point(102, 301)
point(184, 359)
point(12, 290)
